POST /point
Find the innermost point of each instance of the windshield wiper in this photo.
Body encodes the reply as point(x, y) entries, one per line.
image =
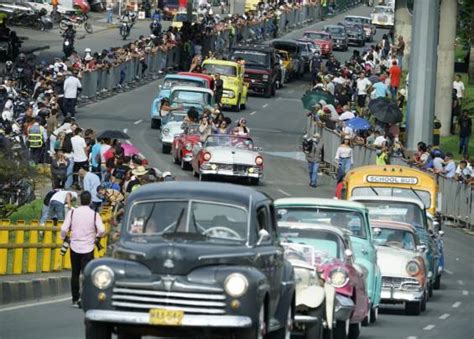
point(373, 190)
point(178, 221)
point(418, 196)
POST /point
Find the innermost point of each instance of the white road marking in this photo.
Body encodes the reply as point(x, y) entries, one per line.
point(289, 99)
point(460, 282)
point(36, 303)
point(138, 122)
point(448, 271)
point(412, 337)
point(429, 327)
point(265, 105)
point(464, 292)
point(284, 193)
point(456, 304)
point(252, 113)
point(444, 316)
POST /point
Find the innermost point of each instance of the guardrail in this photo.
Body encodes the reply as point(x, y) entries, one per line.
point(457, 199)
point(24, 250)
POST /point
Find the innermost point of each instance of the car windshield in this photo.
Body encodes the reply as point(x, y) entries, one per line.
point(169, 83)
point(182, 17)
point(335, 30)
point(395, 238)
point(177, 117)
point(393, 192)
point(316, 36)
point(252, 58)
point(354, 20)
point(229, 141)
point(345, 219)
point(382, 10)
point(198, 220)
point(201, 98)
point(219, 69)
point(396, 211)
point(326, 244)
point(192, 129)
point(283, 55)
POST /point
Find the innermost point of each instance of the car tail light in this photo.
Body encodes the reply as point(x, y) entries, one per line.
point(259, 161)
point(206, 156)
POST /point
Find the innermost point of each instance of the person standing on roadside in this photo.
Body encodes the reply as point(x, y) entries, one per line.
point(79, 153)
point(344, 157)
point(465, 130)
point(109, 13)
point(363, 87)
point(458, 85)
point(313, 153)
point(72, 88)
point(400, 51)
point(395, 75)
point(84, 226)
point(90, 182)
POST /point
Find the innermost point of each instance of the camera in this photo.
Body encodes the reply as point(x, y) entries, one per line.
point(65, 246)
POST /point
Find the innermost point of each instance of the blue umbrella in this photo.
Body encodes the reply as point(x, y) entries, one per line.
point(358, 124)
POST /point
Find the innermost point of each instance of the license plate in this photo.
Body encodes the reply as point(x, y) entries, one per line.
point(160, 316)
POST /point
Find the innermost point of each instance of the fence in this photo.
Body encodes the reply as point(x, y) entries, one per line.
point(22, 250)
point(457, 199)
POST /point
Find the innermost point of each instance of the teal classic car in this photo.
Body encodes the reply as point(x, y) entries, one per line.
point(345, 215)
point(170, 81)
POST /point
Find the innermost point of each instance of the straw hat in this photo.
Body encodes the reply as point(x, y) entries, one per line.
point(139, 171)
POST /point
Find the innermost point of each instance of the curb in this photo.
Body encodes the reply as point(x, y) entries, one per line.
point(16, 291)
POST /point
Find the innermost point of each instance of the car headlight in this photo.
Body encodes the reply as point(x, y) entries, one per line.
point(413, 268)
point(338, 277)
point(228, 94)
point(102, 277)
point(165, 131)
point(189, 147)
point(236, 285)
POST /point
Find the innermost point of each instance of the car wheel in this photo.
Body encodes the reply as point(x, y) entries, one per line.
point(437, 283)
point(155, 123)
point(268, 91)
point(273, 89)
point(423, 302)
point(184, 164)
point(127, 335)
point(354, 331)
point(430, 290)
point(413, 308)
point(341, 330)
point(315, 330)
point(243, 106)
point(368, 319)
point(285, 332)
point(237, 105)
point(259, 330)
point(166, 149)
point(97, 330)
point(374, 314)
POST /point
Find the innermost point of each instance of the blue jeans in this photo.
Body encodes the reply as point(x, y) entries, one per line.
point(44, 214)
point(463, 145)
point(393, 92)
point(313, 168)
point(109, 16)
point(69, 171)
point(56, 210)
point(400, 62)
point(344, 166)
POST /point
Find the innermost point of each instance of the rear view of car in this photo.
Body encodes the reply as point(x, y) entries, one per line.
point(383, 16)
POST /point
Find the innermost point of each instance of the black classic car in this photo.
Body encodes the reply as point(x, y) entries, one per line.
point(355, 33)
point(193, 259)
point(339, 37)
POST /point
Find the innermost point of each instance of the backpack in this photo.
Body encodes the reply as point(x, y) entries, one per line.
point(307, 145)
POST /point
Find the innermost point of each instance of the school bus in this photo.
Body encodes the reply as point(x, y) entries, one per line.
point(392, 180)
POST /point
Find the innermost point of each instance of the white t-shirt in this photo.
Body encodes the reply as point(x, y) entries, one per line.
point(362, 85)
point(103, 148)
point(71, 85)
point(347, 115)
point(61, 196)
point(78, 149)
point(459, 87)
point(379, 141)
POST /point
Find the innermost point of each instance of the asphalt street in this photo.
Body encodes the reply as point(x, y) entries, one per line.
point(277, 125)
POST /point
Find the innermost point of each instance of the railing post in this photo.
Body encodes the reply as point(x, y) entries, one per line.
point(47, 240)
point(18, 252)
point(33, 252)
point(4, 238)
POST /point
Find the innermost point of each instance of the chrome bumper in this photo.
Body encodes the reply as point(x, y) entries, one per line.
point(188, 158)
point(189, 320)
point(305, 319)
point(401, 296)
point(230, 173)
point(344, 307)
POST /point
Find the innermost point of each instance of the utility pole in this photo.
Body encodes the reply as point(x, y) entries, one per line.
point(403, 27)
point(444, 79)
point(422, 80)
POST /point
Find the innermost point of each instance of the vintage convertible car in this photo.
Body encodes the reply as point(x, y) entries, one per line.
point(183, 144)
point(227, 156)
point(332, 257)
point(322, 40)
point(366, 24)
point(295, 53)
point(232, 74)
point(193, 259)
point(410, 211)
point(286, 65)
point(383, 16)
point(170, 129)
point(345, 215)
point(170, 81)
point(403, 267)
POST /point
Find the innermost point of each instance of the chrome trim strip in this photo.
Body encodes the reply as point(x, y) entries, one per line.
point(234, 255)
point(171, 294)
point(169, 301)
point(305, 319)
point(170, 308)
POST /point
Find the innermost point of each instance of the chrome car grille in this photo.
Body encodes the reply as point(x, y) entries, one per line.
point(233, 167)
point(192, 299)
point(397, 282)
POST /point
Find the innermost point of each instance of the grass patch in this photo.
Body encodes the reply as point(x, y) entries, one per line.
point(28, 212)
point(459, 54)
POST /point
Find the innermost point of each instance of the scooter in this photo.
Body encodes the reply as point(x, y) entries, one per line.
point(124, 30)
point(68, 47)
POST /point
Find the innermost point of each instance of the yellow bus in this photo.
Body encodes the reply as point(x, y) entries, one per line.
point(396, 181)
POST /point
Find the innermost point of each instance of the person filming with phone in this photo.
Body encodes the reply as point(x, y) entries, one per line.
point(80, 231)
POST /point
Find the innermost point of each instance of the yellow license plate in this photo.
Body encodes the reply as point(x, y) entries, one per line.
point(160, 316)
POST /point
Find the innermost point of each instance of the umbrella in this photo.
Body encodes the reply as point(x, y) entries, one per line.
point(128, 150)
point(358, 124)
point(113, 134)
point(385, 110)
point(310, 98)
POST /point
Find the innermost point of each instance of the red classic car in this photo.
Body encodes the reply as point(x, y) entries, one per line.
point(321, 39)
point(182, 147)
point(335, 264)
point(209, 79)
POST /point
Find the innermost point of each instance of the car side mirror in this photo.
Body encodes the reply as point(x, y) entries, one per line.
point(348, 253)
point(263, 235)
point(377, 231)
point(421, 248)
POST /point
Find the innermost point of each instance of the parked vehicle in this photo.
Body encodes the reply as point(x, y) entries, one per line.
point(383, 16)
point(173, 126)
point(355, 33)
point(183, 144)
point(261, 67)
point(194, 258)
point(224, 155)
point(295, 53)
point(322, 40)
point(348, 216)
point(332, 257)
point(400, 258)
point(34, 19)
point(232, 74)
point(339, 37)
point(77, 21)
point(366, 23)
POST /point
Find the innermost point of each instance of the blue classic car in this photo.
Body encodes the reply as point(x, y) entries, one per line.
point(170, 81)
point(345, 215)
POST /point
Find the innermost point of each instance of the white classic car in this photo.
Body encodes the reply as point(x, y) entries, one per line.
point(383, 16)
point(172, 127)
point(403, 267)
point(227, 156)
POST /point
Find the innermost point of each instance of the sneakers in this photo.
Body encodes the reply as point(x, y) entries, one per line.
point(77, 304)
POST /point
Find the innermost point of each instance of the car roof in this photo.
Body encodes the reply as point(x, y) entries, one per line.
point(333, 26)
point(320, 202)
point(215, 191)
point(192, 89)
point(220, 62)
point(183, 77)
point(315, 31)
point(357, 17)
point(388, 198)
point(254, 47)
point(283, 41)
point(317, 227)
point(392, 224)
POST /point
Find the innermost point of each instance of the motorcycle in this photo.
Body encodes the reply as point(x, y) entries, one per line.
point(37, 19)
point(124, 30)
point(155, 28)
point(76, 21)
point(68, 47)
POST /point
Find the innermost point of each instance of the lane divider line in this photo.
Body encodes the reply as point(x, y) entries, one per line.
point(460, 282)
point(36, 303)
point(456, 304)
point(429, 327)
point(138, 122)
point(464, 292)
point(412, 337)
point(444, 316)
point(448, 271)
point(265, 105)
point(283, 192)
point(252, 113)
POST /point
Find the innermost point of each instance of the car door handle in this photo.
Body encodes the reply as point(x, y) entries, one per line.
point(364, 251)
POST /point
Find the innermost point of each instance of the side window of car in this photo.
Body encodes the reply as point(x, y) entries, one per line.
point(264, 223)
point(273, 220)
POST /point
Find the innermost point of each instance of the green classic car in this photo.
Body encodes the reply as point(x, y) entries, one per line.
point(346, 215)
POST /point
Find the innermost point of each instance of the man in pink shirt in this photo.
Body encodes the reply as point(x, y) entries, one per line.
point(395, 75)
point(85, 225)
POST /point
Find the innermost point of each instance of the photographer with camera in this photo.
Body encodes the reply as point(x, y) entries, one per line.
point(85, 227)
